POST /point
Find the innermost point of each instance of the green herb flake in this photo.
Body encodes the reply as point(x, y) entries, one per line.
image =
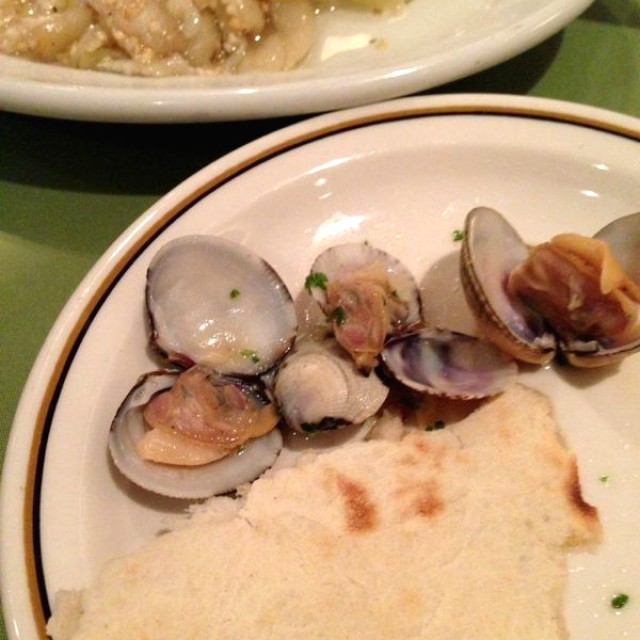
point(605, 478)
point(251, 355)
point(234, 293)
point(620, 601)
point(458, 235)
point(436, 426)
point(339, 315)
point(316, 279)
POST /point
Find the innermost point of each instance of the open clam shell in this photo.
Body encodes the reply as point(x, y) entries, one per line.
point(222, 476)
point(212, 301)
point(448, 363)
point(623, 237)
point(491, 249)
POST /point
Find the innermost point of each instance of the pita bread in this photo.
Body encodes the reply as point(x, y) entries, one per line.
point(457, 533)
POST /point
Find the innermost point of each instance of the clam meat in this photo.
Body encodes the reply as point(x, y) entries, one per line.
point(367, 294)
point(194, 433)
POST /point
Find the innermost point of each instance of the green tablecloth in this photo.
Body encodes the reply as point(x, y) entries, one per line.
point(67, 189)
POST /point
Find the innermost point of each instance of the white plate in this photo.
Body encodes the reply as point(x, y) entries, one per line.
point(431, 43)
point(402, 176)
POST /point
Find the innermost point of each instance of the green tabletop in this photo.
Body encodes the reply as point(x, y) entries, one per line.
point(68, 189)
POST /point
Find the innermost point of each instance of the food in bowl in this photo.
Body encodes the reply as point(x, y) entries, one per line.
point(159, 38)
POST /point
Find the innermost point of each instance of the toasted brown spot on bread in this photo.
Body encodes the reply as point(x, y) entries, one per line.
point(574, 493)
point(433, 454)
point(422, 446)
point(361, 513)
point(410, 601)
point(408, 460)
point(421, 499)
point(428, 502)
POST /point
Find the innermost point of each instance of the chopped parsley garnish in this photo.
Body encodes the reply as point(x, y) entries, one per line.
point(339, 314)
point(458, 235)
point(604, 479)
point(234, 293)
point(436, 426)
point(251, 355)
point(619, 601)
point(317, 279)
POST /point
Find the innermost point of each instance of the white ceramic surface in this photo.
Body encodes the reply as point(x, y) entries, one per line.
point(401, 176)
point(432, 42)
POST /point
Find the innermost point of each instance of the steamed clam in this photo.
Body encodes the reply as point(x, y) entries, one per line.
point(318, 388)
point(222, 318)
point(222, 437)
point(367, 294)
point(573, 295)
